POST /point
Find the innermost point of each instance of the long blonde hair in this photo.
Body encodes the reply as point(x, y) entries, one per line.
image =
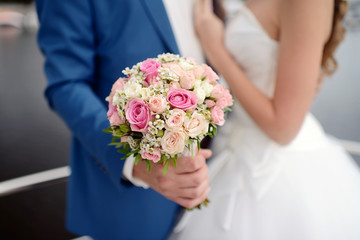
point(328, 62)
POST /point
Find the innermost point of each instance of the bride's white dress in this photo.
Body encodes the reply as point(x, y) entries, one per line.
point(308, 190)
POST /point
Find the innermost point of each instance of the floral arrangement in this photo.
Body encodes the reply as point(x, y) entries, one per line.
point(165, 106)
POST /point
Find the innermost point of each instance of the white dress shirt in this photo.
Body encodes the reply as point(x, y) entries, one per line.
point(180, 13)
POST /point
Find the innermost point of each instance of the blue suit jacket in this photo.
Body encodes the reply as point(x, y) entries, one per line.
point(87, 43)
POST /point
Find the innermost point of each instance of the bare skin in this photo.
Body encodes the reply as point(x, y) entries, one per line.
point(301, 27)
point(187, 185)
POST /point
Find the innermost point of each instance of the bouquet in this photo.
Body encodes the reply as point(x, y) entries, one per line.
point(164, 107)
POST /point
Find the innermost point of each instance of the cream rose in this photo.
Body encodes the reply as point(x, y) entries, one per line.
point(157, 104)
point(187, 80)
point(173, 142)
point(196, 125)
point(175, 120)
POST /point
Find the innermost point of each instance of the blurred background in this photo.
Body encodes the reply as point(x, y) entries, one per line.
point(33, 139)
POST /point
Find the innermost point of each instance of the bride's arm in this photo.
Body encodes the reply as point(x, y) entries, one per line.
point(303, 25)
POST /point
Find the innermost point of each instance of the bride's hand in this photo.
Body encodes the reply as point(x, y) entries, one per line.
point(209, 28)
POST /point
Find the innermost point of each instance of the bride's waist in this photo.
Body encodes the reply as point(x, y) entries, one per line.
point(236, 135)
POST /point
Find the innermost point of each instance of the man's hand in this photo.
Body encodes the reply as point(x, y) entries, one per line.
point(187, 185)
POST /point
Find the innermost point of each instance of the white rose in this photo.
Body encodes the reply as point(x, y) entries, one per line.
point(199, 91)
point(186, 66)
point(145, 93)
point(173, 142)
point(132, 89)
point(207, 87)
point(196, 125)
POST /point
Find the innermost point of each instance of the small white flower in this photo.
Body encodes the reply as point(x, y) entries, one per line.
point(160, 124)
point(133, 144)
point(168, 57)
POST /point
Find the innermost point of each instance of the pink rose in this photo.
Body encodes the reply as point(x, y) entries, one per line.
point(150, 68)
point(209, 103)
point(198, 72)
point(221, 103)
point(217, 116)
point(138, 114)
point(113, 115)
point(151, 81)
point(155, 156)
point(173, 142)
point(157, 104)
point(228, 97)
point(182, 99)
point(187, 80)
point(174, 67)
point(118, 85)
point(218, 91)
point(175, 120)
point(210, 74)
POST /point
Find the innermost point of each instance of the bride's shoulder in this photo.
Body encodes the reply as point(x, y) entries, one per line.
point(306, 14)
point(305, 7)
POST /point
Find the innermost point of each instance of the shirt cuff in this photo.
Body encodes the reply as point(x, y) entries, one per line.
point(128, 173)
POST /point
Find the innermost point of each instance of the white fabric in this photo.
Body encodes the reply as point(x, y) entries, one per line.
point(127, 173)
point(260, 190)
point(180, 13)
point(181, 18)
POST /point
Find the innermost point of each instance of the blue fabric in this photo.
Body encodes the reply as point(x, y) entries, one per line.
point(87, 43)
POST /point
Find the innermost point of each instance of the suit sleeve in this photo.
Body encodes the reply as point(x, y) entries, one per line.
point(66, 38)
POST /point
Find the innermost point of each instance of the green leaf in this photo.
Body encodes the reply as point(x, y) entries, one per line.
point(137, 158)
point(136, 135)
point(108, 130)
point(215, 131)
point(198, 144)
point(163, 158)
point(227, 109)
point(126, 146)
point(148, 165)
point(166, 167)
point(160, 133)
point(122, 150)
point(124, 128)
point(189, 114)
point(173, 160)
point(116, 144)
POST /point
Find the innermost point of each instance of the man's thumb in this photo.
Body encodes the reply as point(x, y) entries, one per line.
point(206, 153)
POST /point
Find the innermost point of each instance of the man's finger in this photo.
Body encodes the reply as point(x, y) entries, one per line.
point(205, 152)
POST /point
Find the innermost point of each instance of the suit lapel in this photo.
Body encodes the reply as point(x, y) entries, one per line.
point(157, 14)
